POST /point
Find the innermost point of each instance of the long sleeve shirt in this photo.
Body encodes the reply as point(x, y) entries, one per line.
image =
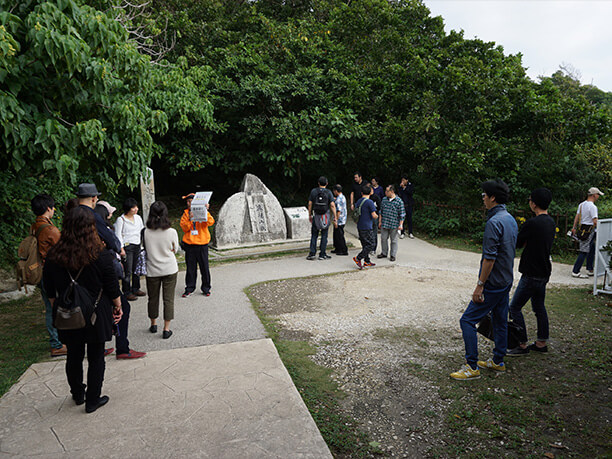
point(128, 232)
point(47, 237)
point(196, 233)
point(499, 244)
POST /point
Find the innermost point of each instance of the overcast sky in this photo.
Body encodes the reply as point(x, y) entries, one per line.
point(548, 33)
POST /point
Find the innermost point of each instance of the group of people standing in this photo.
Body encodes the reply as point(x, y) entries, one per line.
point(98, 254)
point(374, 208)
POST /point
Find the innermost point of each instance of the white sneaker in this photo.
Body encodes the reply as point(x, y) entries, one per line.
point(411, 236)
point(590, 273)
point(579, 275)
point(402, 236)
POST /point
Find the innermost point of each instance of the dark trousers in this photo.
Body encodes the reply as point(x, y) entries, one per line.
point(408, 220)
point(590, 257)
point(375, 230)
point(74, 366)
point(121, 337)
point(530, 287)
point(131, 282)
point(314, 234)
point(168, 284)
point(366, 237)
point(496, 302)
point(196, 255)
point(339, 241)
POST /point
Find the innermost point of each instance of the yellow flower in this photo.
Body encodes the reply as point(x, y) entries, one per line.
point(556, 230)
point(38, 27)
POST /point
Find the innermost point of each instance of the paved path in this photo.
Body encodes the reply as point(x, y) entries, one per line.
point(192, 400)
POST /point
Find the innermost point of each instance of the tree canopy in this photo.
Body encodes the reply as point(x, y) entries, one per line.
point(288, 90)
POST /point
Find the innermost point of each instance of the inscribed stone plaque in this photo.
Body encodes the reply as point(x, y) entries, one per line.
point(147, 192)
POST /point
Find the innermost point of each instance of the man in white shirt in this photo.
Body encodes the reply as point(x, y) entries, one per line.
point(586, 219)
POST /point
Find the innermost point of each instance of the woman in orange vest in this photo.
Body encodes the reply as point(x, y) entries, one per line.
point(195, 244)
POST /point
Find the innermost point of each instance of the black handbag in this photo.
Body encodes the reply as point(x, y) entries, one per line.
point(584, 232)
point(485, 328)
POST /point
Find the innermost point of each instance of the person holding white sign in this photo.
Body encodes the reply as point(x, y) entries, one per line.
point(195, 243)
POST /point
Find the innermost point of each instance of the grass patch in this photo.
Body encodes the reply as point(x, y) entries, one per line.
point(560, 398)
point(319, 392)
point(470, 244)
point(23, 340)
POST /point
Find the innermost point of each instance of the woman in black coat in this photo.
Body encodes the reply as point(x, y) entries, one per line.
point(81, 252)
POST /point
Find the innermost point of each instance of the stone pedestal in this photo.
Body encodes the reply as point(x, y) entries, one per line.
point(298, 224)
point(252, 216)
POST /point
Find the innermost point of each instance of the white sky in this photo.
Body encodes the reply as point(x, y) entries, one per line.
point(548, 33)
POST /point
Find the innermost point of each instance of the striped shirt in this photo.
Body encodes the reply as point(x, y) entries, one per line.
point(392, 212)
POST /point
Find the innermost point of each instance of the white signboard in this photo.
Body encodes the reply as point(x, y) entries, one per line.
point(602, 259)
point(198, 206)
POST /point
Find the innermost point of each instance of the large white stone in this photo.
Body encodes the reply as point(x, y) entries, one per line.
point(252, 216)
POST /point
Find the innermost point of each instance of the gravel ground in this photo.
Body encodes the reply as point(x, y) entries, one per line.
point(378, 329)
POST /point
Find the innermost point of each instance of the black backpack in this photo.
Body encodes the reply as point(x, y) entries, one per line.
point(321, 202)
point(76, 307)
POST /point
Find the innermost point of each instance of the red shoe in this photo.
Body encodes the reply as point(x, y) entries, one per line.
point(357, 262)
point(56, 352)
point(367, 264)
point(131, 355)
point(109, 351)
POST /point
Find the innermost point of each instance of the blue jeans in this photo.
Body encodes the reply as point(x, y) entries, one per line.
point(54, 341)
point(530, 287)
point(590, 258)
point(496, 302)
point(313, 240)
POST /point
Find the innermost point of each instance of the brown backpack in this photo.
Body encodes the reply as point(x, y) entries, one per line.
point(30, 265)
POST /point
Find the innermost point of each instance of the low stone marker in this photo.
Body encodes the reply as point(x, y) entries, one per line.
point(252, 216)
point(298, 224)
point(147, 192)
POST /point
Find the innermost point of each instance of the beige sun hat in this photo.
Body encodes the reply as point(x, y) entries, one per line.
point(595, 190)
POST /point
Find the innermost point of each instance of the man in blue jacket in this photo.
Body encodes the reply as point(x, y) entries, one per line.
point(494, 282)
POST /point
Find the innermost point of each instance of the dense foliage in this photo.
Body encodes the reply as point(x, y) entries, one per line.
point(287, 90)
point(78, 101)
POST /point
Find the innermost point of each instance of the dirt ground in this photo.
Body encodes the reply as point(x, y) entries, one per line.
point(377, 329)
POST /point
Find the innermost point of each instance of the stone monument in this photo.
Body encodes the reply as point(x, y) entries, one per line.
point(252, 216)
point(147, 192)
point(298, 224)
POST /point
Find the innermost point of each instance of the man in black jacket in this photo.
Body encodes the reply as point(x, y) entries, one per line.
point(536, 235)
point(405, 191)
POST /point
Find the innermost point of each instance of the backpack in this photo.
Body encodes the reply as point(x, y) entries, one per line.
point(357, 211)
point(321, 203)
point(29, 268)
point(76, 307)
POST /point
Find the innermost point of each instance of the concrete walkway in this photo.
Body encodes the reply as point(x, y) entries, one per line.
point(216, 388)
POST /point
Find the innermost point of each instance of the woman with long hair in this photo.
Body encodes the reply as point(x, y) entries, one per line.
point(161, 243)
point(80, 253)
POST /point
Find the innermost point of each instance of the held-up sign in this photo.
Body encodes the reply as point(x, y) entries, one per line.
point(198, 206)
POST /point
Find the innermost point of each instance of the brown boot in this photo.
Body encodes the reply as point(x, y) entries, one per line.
point(56, 352)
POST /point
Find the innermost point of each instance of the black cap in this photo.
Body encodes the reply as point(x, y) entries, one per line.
point(87, 190)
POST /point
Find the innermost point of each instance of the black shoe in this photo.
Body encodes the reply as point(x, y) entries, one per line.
point(153, 328)
point(324, 257)
point(79, 399)
point(380, 255)
point(166, 334)
point(517, 351)
point(310, 257)
point(101, 402)
point(535, 348)
point(342, 254)
point(333, 251)
point(391, 258)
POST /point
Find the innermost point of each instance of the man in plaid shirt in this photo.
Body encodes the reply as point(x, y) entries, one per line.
point(392, 214)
